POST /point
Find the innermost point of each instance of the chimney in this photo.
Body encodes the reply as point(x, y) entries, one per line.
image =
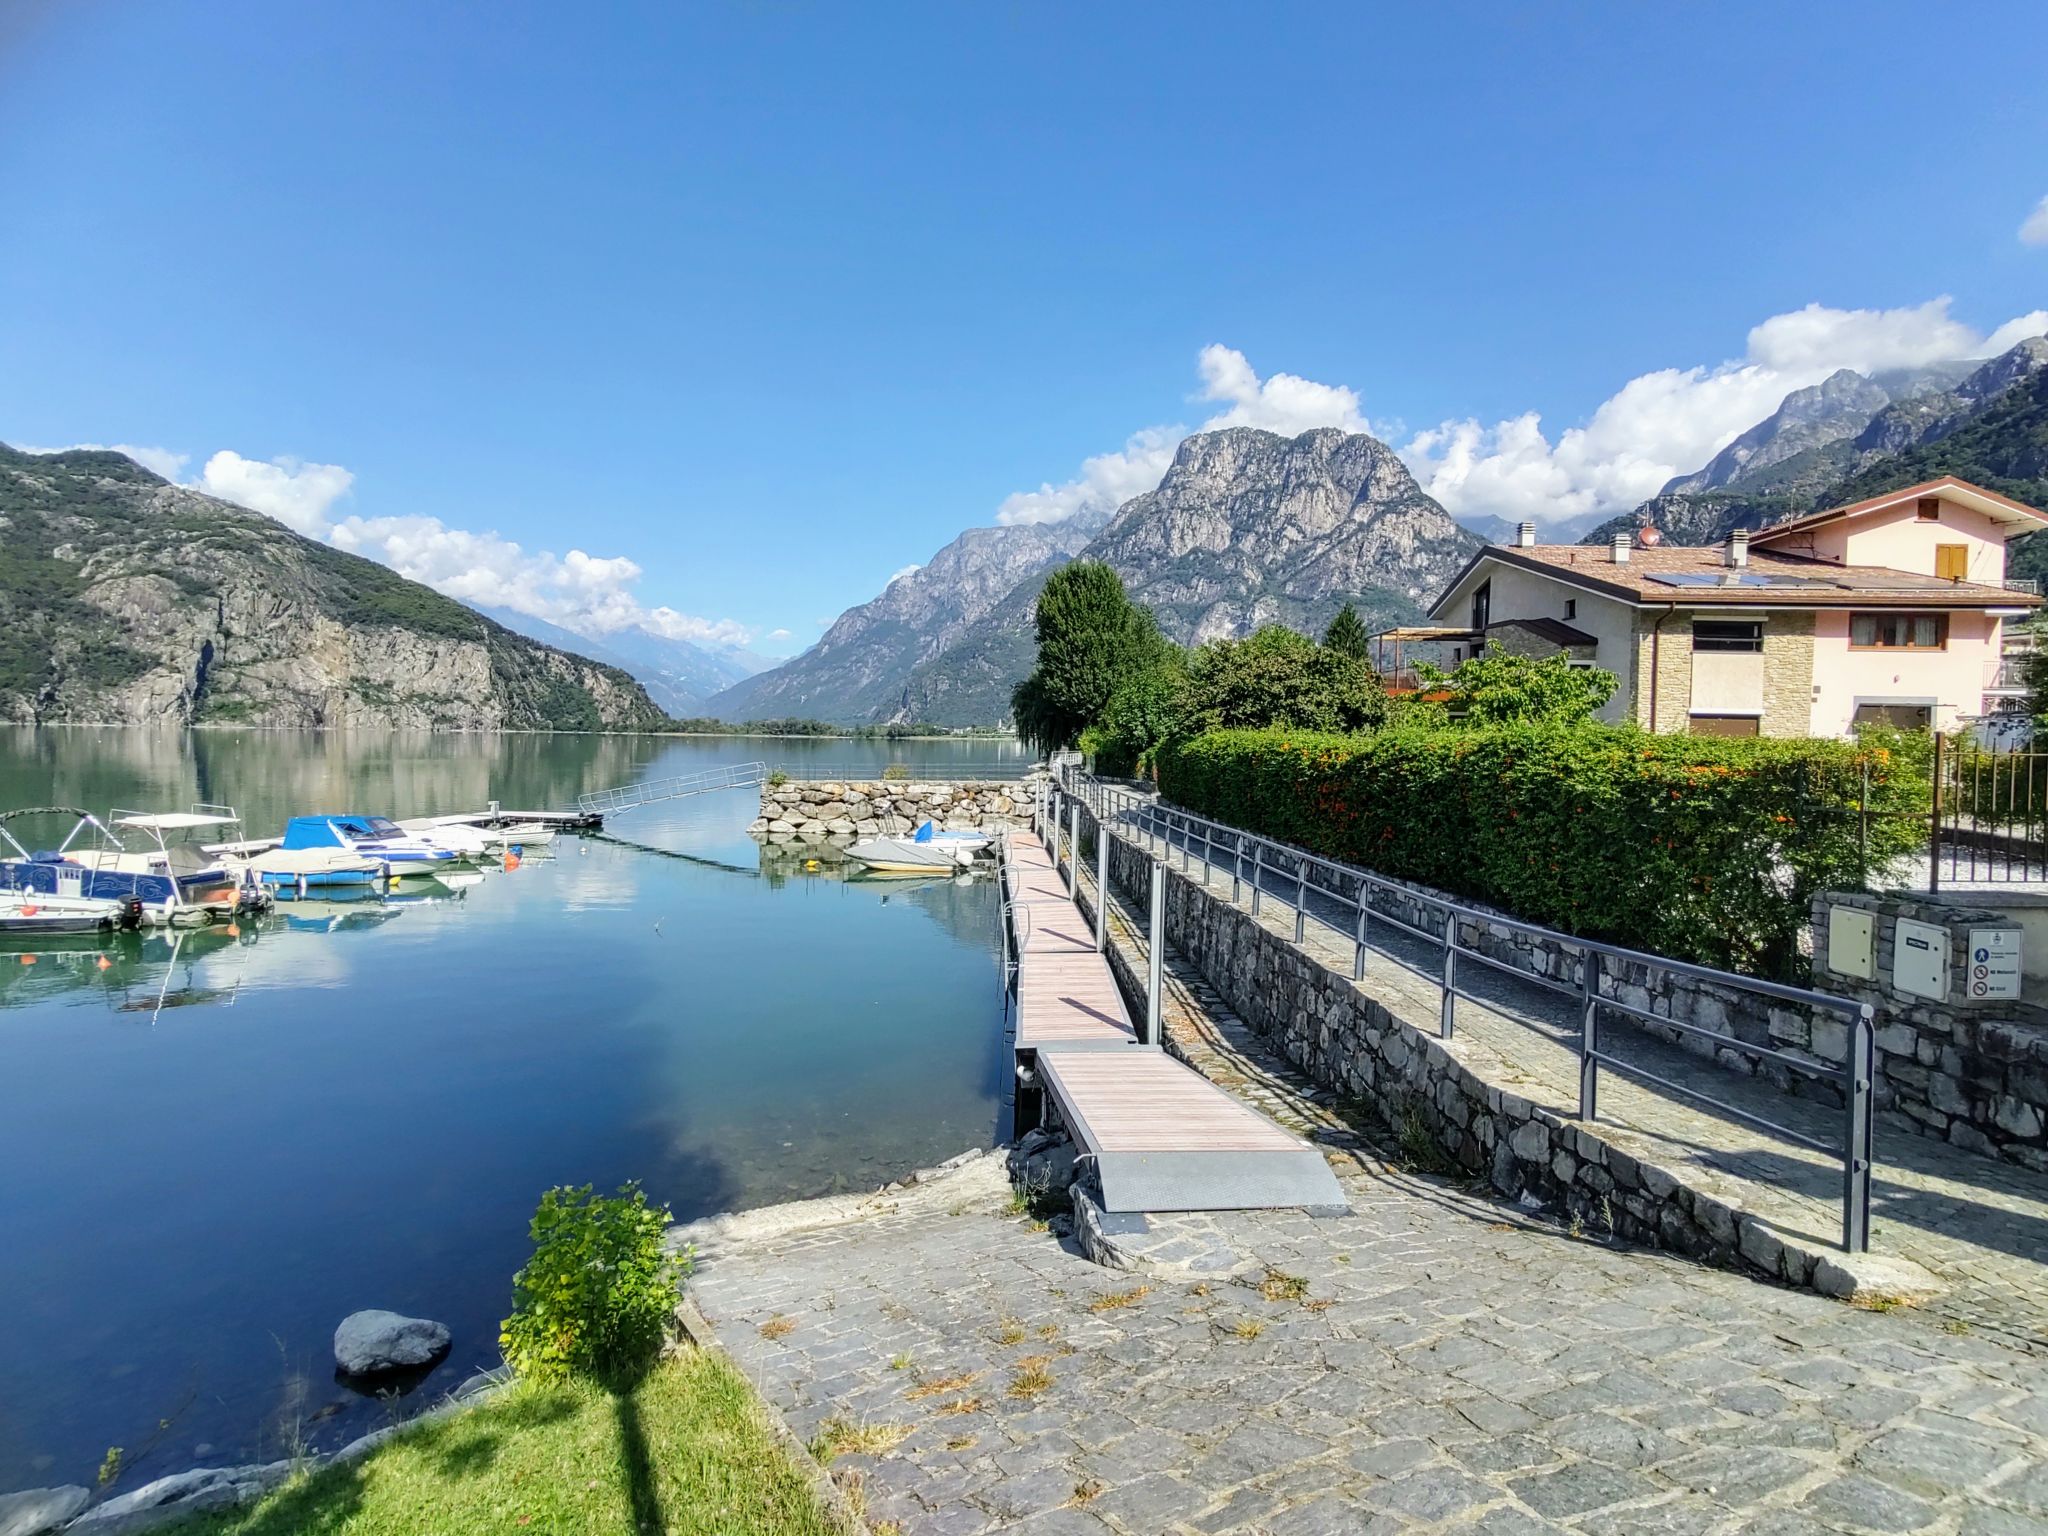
point(1525, 535)
point(1621, 547)
point(1737, 552)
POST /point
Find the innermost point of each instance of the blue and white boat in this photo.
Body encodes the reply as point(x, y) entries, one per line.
point(170, 882)
point(369, 837)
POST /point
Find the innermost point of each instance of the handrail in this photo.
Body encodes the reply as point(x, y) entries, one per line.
point(916, 772)
point(1168, 827)
point(626, 796)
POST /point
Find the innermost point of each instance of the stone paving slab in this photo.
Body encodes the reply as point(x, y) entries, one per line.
point(1445, 1366)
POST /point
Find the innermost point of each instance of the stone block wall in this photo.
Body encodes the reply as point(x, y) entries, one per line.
point(882, 808)
point(1971, 1072)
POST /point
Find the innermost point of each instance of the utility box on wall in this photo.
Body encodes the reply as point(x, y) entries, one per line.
point(1852, 942)
point(1920, 959)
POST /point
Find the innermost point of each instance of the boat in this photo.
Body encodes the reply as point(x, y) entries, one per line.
point(305, 869)
point(370, 837)
point(498, 833)
point(927, 850)
point(32, 914)
point(462, 840)
point(171, 882)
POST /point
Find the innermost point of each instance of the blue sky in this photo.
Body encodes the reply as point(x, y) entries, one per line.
point(771, 300)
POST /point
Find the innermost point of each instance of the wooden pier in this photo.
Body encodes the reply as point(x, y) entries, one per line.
point(1163, 1137)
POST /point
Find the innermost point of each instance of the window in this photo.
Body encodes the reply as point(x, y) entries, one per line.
point(1898, 631)
point(1571, 607)
point(1905, 717)
point(1722, 725)
point(1928, 509)
point(1727, 635)
point(1482, 605)
point(1952, 562)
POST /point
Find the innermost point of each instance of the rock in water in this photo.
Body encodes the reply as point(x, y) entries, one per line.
point(369, 1343)
point(36, 1510)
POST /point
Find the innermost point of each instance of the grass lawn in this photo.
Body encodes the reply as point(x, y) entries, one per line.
point(687, 1452)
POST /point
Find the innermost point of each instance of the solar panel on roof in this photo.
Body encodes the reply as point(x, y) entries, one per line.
point(1732, 579)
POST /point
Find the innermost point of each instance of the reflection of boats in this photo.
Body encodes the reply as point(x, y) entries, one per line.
point(174, 881)
point(328, 914)
point(370, 837)
point(927, 850)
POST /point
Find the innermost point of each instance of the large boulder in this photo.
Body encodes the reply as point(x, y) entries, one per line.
point(171, 1499)
point(36, 1510)
point(372, 1342)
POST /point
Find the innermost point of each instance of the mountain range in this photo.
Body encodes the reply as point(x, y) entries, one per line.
point(679, 675)
point(125, 598)
point(1249, 528)
point(1246, 528)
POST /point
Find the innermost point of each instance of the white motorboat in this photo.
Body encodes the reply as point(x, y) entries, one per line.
point(920, 854)
point(459, 838)
point(33, 913)
point(304, 869)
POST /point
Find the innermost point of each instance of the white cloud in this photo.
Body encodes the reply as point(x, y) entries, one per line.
point(158, 461)
point(1674, 420)
point(296, 494)
point(1282, 402)
point(2035, 230)
point(907, 570)
point(779, 634)
point(684, 626)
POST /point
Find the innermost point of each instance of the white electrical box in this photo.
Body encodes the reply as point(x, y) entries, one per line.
point(1920, 959)
point(1994, 963)
point(1851, 951)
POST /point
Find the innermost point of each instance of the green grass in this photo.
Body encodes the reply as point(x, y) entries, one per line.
point(687, 1453)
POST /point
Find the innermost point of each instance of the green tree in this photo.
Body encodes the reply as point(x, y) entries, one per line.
point(1346, 634)
point(1276, 677)
point(1091, 639)
point(1503, 689)
point(1145, 710)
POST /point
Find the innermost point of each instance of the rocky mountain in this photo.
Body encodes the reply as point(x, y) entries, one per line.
point(1247, 528)
point(679, 675)
point(1813, 451)
point(856, 672)
point(125, 598)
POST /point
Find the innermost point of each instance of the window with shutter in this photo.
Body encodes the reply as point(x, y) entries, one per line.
point(1952, 562)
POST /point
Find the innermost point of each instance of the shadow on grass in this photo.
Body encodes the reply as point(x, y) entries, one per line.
point(637, 1465)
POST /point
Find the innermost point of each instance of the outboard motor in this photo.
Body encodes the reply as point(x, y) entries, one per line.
point(131, 914)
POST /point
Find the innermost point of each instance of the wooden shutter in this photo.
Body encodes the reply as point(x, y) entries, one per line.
point(1952, 562)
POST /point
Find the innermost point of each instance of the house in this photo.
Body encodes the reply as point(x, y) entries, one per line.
point(1892, 609)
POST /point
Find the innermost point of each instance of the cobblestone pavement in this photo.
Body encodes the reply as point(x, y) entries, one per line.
point(1427, 1362)
point(1978, 1225)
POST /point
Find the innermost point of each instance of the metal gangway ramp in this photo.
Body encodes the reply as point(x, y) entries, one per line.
point(1163, 1137)
point(607, 802)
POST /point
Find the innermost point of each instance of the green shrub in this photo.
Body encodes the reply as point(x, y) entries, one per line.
point(1700, 848)
point(599, 1295)
point(896, 773)
point(777, 779)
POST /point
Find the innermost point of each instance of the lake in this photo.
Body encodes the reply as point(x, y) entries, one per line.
point(217, 1143)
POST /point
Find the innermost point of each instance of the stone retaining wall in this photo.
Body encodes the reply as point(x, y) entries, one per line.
point(1972, 1072)
point(882, 808)
point(1346, 1040)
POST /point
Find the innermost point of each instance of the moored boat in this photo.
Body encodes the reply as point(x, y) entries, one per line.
point(370, 837)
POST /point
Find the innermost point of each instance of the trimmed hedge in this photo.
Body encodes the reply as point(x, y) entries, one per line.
point(1699, 848)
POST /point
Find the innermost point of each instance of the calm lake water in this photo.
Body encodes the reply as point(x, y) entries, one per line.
point(217, 1144)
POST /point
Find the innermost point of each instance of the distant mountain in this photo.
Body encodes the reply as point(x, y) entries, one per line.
point(1247, 528)
point(856, 672)
point(679, 675)
point(1498, 530)
point(1813, 451)
point(124, 598)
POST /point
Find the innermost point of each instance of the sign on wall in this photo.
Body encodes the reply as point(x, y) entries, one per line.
point(1994, 963)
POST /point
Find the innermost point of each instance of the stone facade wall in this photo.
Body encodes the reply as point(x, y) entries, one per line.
point(1332, 1029)
point(1788, 675)
point(1972, 1072)
point(881, 808)
point(1664, 655)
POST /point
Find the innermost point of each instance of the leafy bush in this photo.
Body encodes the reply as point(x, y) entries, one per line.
point(1276, 677)
point(599, 1294)
point(777, 779)
point(1501, 688)
point(1700, 848)
point(896, 773)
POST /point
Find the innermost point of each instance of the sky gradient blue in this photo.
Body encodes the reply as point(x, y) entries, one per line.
point(776, 298)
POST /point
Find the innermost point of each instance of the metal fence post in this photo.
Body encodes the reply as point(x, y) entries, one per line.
point(1236, 865)
point(1450, 1008)
point(1258, 864)
point(1074, 850)
point(1358, 953)
point(1301, 903)
point(1856, 1151)
point(1934, 823)
point(1589, 1035)
point(1101, 887)
point(1155, 977)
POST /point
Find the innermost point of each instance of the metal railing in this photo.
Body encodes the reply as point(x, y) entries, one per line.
point(803, 772)
point(1260, 862)
point(604, 802)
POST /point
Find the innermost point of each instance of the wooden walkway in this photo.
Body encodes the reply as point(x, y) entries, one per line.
point(1163, 1137)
